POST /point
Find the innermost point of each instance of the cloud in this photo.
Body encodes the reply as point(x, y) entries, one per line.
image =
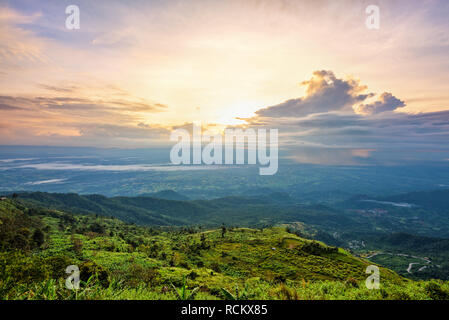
point(73, 117)
point(84, 134)
point(332, 125)
point(324, 93)
point(18, 46)
point(124, 168)
point(121, 131)
point(45, 182)
point(8, 107)
point(71, 103)
point(58, 89)
point(387, 102)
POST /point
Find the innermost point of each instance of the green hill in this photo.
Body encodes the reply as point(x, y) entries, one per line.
point(233, 210)
point(124, 261)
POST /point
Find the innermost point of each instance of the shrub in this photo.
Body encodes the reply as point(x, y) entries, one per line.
point(193, 275)
point(286, 293)
point(58, 264)
point(17, 268)
point(435, 292)
point(38, 237)
point(137, 274)
point(352, 282)
point(215, 266)
point(97, 228)
point(90, 269)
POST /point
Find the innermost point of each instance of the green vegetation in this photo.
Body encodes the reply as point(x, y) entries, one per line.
point(429, 256)
point(361, 227)
point(118, 260)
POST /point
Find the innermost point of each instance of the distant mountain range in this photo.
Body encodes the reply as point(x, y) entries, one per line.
point(166, 194)
point(356, 216)
point(254, 211)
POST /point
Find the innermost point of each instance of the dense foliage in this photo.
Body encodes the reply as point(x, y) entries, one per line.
point(118, 260)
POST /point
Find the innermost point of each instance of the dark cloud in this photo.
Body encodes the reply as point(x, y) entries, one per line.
point(88, 134)
point(324, 93)
point(386, 102)
point(392, 138)
point(8, 107)
point(68, 120)
point(332, 125)
point(138, 106)
point(75, 103)
point(69, 89)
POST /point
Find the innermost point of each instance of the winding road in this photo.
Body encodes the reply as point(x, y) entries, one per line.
point(410, 266)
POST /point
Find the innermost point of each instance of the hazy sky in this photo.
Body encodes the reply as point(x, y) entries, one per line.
point(135, 69)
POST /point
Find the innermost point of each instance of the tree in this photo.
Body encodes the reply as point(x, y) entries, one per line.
point(77, 244)
point(38, 237)
point(98, 228)
point(203, 241)
point(19, 241)
point(223, 231)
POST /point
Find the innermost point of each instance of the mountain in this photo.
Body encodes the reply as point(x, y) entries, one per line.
point(251, 211)
point(144, 210)
point(123, 261)
point(167, 195)
point(140, 210)
point(357, 219)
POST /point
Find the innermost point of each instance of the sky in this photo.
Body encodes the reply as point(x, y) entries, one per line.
point(338, 92)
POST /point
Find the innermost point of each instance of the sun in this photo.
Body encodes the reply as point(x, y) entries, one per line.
point(237, 111)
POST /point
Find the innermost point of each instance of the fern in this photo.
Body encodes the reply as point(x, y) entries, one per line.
point(183, 293)
point(229, 296)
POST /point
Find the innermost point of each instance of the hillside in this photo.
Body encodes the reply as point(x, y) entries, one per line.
point(143, 210)
point(128, 261)
point(418, 244)
point(140, 210)
point(167, 195)
point(354, 219)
